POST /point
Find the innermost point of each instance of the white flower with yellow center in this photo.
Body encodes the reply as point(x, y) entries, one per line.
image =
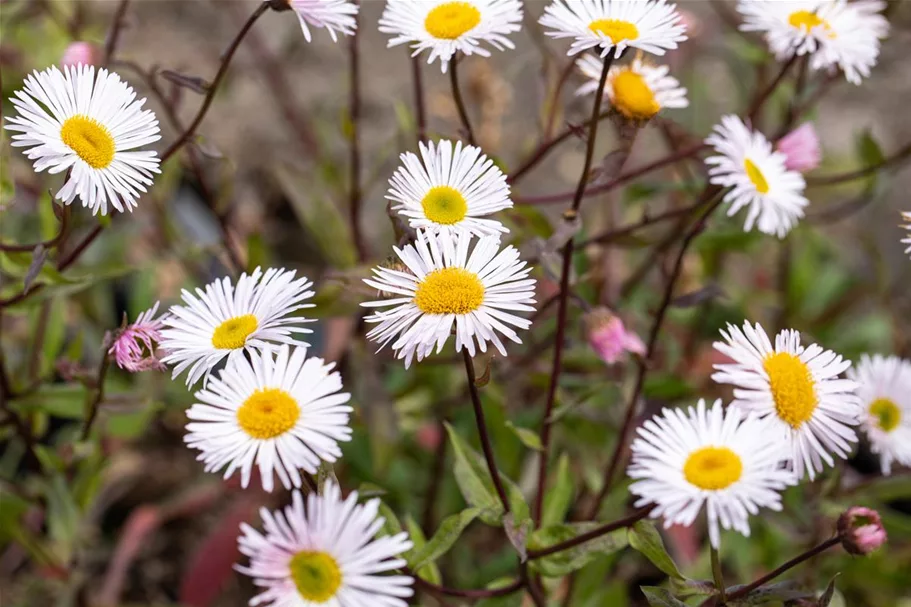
point(653, 26)
point(445, 286)
point(757, 177)
point(884, 390)
point(724, 460)
point(835, 33)
point(281, 414)
point(337, 16)
point(92, 127)
point(907, 241)
point(446, 27)
point(226, 320)
point(636, 90)
point(447, 191)
point(797, 388)
point(325, 554)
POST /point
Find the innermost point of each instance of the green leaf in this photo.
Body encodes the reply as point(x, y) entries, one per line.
point(666, 387)
point(450, 530)
point(430, 571)
point(528, 437)
point(781, 591)
point(889, 489)
point(644, 537)
point(566, 561)
point(510, 600)
point(660, 597)
point(391, 525)
point(826, 597)
point(559, 498)
point(61, 400)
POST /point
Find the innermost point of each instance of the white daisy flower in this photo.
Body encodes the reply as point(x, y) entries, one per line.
point(636, 90)
point(653, 26)
point(91, 126)
point(337, 16)
point(447, 192)
point(907, 241)
point(224, 320)
point(757, 177)
point(282, 414)
point(797, 388)
point(835, 33)
point(446, 27)
point(885, 395)
point(446, 286)
point(723, 460)
point(325, 554)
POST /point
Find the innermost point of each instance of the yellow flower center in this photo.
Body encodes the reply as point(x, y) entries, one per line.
point(90, 139)
point(233, 333)
point(887, 414)
point(792, 386)
point(713, 468)
point(268, 413)
point(806, 21)
point(444, 205)
point(615, 29)
point(316, 575)
point(756, 176)
point(632, 96)
point(451, 19)
point(449, 291)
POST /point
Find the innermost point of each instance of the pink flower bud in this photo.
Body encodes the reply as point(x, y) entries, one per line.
point(77, 53)
point(134, 348)
point(861, 530)
point(801, 148)
point(609, 338)
point(428, 436)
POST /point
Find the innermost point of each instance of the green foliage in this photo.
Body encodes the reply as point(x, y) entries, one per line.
point(565, 562)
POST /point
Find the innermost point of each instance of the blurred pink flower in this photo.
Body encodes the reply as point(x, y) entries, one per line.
point(134, 347)
point(861, 530)
point(77, 53)
point(429, 436)
point(801, 148)
point(609, 337)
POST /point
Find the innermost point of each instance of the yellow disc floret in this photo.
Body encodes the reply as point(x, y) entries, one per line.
point(713, 468)
point(615, 29)
point(233, 333)
point(316, 575)
point(756, 176)
point(450, 20)
point(806, 21)
point(449, 291)
point(444, 205)
point(793, 388)
point(268, 413)
point(632, 96)
point(887, 414)
point(90, 139)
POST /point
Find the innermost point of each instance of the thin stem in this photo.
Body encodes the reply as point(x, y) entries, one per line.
point(47, 244)
point(555, 99)
point(219, 76)
point(764, 95)
point(612, 235)
point(465, 594)
point(718, 575)
point(482, 431)
point(420, 112)
point(897, 158)
point(622, 523)
point(110, 44)
point(745, 590)
point(457, 96)
point(354, 116)
point(94, 402)
point(70, 258)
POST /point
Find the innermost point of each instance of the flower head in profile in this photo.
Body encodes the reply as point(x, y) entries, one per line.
point(653, 26)
point(278, 410)
point(609, 337)
point(336, 16)
point(134, 347)
point(907, 241)
point(834, 33)
point(448, 190)
point(797, 388)
point(637, 90)
point(325, 553)
point(446, 27)
point(884, 390)
point(725, 460)
point(757, 177)
point(801, 149)
point(92, 126)
point(224, 320)
point(861, 530)
point(449, 286)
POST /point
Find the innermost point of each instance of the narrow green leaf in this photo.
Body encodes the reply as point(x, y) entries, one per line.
point(450, 530)
point(391, 525)
point(778, 592)
point(565, 562)
point(660, 597)
point(559, 498)
point(826, 597)
point(528, 437)
point(644, 537)
point(430, 571)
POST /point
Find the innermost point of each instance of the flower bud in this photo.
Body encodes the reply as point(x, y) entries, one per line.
point(79, 53)
point(608, 336)
point(134, 347)
point(861, 530)
point(801, 148)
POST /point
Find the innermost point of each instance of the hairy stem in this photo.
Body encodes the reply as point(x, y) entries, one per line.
point(457, 96)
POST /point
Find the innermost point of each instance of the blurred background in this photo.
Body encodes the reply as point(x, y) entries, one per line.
point(133, 520)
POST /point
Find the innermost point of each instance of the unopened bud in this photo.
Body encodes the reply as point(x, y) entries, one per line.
point(861, 530)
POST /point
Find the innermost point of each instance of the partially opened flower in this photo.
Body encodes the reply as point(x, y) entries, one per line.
point(637, 90)
point(801, 149)
point(884, 390)
point(757, 177)
point(449, 190)
point(446, 27)
point(336, 16)
point(134, 347)
point(861, 530)
point(653, 26)
point(325, 553)
point(724, 460)
point(907, 241)
point(283, 413)
point(609, 338)
point(92, 127)
point(450, 286)
point(225, 320)
point(797, 388)
point(835, 33)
